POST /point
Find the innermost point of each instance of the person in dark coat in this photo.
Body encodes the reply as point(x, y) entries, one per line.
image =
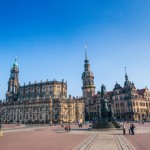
point(132, 128)
point(66, 128)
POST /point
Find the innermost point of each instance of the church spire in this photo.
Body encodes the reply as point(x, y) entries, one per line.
point(127, 82)
point(126, 76)
point(85, 52)
point(15, 64)
point(86, 65)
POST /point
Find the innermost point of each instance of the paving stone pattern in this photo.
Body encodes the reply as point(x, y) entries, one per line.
point(40, 139)
point(55, 138)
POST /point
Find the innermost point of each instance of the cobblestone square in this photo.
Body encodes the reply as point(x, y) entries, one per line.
point(55, 138)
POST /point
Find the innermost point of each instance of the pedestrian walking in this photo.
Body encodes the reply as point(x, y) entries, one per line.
point(66, 128)
point(132, 128)
point(124, 128)
point(69, 128)
point(129, 128)
point(79, 124)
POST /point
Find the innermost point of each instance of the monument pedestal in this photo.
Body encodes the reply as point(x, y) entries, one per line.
point(105, 114)
point(105, 125)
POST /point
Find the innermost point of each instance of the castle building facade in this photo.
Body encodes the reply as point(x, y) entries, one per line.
point(131, 103)
point(127, 103)
point(44, 102)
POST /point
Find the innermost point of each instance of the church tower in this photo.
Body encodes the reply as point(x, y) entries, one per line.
point(13, 83)
point(88, 88)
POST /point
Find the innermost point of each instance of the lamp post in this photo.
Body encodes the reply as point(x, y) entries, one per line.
point(50, 112)
point(89, 112)
point(69, 114)
point(1, 119)
point(63, 118)
point(24, 114)
point(98, 114)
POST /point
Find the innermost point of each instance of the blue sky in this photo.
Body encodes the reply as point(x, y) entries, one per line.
point(48, 37)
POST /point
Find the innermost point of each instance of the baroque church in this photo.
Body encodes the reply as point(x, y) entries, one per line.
point(44, 102)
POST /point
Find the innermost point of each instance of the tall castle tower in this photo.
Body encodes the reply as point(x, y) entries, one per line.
point(88, 88)
point(13, 83)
